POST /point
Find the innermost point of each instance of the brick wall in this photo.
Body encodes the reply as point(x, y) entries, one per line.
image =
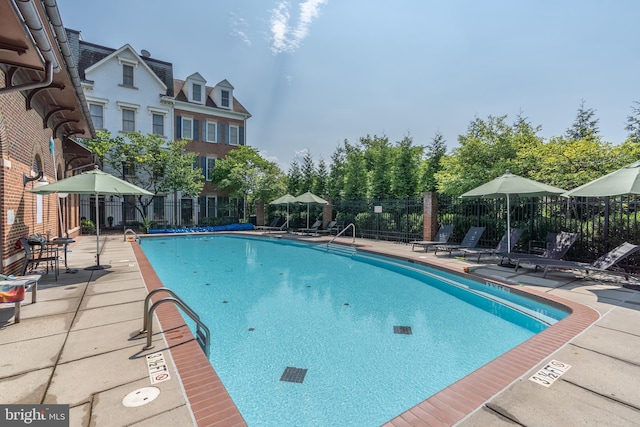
point(22, 138)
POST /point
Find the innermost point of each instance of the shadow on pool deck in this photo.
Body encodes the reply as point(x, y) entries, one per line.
point(78, 345)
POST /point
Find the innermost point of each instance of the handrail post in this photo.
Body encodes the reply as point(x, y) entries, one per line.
point(352, 225)
point(148, 319)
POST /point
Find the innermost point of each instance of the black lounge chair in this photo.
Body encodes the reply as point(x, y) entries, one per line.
point(311, 230)
point(502, 245)
point(602, 264)
point(470, 240)
point(442, 237)
point(555, 251)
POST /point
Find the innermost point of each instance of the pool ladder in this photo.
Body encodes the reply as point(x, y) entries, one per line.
point(130, 235)
point(342, 249)
point(202, 335)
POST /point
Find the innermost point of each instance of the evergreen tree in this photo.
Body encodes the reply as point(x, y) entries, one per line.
point(633, 123)
point(308, 173)
point(434, 152)
point(377, 154)
point(355, 176)
point(335, 183)
point(585, 125)
point(406, 164)
point(322, 177)
point(294, 181)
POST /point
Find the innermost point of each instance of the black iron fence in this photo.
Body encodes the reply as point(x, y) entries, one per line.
point(603, 223)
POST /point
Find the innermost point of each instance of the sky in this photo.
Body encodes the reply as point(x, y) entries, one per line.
point(313, 73)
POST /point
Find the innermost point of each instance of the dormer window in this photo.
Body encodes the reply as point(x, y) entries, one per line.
point(127, 75)
point(196, 92)
point(225, 99)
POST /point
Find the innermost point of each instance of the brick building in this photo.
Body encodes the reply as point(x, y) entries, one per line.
point(42, 108)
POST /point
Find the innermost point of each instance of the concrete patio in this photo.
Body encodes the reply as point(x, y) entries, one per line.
point(78, 345)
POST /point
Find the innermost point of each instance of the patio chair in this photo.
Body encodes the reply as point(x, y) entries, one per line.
point(502, 245)
point(327, 228)
point(46, 254)
point(602, 264)
point(442, 236)
point(555, 251)
point(13, 289)
point(311, 230)
point(273, 224)
point(470, 240)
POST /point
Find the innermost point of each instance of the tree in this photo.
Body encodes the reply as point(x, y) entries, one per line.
point(294, 179)
point(434, 152)
point(150, 162)
point(405, 171)
point(355, 174)
point(322, 176)
point(633, 123)
point(378, 158)
point(486, 151)
point(335, 183)
point(243, 173)
point(585, 125)
point(308, 173)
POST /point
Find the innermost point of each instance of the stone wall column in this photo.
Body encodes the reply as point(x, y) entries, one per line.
point(430, 221)
point(327, 212)
point(260, 212)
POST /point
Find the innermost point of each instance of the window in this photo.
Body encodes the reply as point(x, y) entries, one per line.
point(211, 164)
point(212, 131)
point(196, 92)
point(158, 208)
point(211, 207)
point(233, 135)
point(127, 75)
point(97, 115)
point(128, 169)
point(158, 124)
point(224, 99)
point(187, 128)
point(128, 120)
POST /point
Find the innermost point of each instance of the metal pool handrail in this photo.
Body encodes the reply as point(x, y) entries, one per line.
point(342, 232)
point(203, 336)
point(133, 232)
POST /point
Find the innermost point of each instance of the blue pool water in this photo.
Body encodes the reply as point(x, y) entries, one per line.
point(274, 304)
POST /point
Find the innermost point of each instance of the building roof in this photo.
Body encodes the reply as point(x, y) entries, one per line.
point(89, 54)
point(178, 89)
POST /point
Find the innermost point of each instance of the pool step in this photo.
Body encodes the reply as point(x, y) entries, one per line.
point(341, 249)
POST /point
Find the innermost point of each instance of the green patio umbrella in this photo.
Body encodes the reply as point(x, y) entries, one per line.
point(309, 198)
point(625, 180)
point(509, 185)
point(287, 199)
point(97, 183)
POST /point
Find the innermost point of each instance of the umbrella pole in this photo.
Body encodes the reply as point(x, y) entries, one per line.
point(97, 266)
point(508, 225)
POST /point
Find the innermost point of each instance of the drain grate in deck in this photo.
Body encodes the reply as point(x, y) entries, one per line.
point(293, 375)
point(405, 330)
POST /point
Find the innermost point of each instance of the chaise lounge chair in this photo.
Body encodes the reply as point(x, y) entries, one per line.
point(273, 224)
point(442, 237)
point(327, 228)
point(501, 248)
point(555, 251)
point(311, 230)
point(602, 264)
point(470, 240)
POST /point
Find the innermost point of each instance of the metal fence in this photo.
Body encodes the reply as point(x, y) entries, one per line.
point(603, 223)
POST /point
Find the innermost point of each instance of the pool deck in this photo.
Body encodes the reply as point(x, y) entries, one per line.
point(79, 345)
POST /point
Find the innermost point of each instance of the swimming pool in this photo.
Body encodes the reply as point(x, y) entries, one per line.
point(272, 305)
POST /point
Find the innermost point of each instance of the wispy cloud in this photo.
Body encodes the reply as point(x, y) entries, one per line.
point(238, 28)
point(285, 36)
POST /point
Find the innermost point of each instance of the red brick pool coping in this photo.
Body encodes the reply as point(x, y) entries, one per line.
point(212, 406)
